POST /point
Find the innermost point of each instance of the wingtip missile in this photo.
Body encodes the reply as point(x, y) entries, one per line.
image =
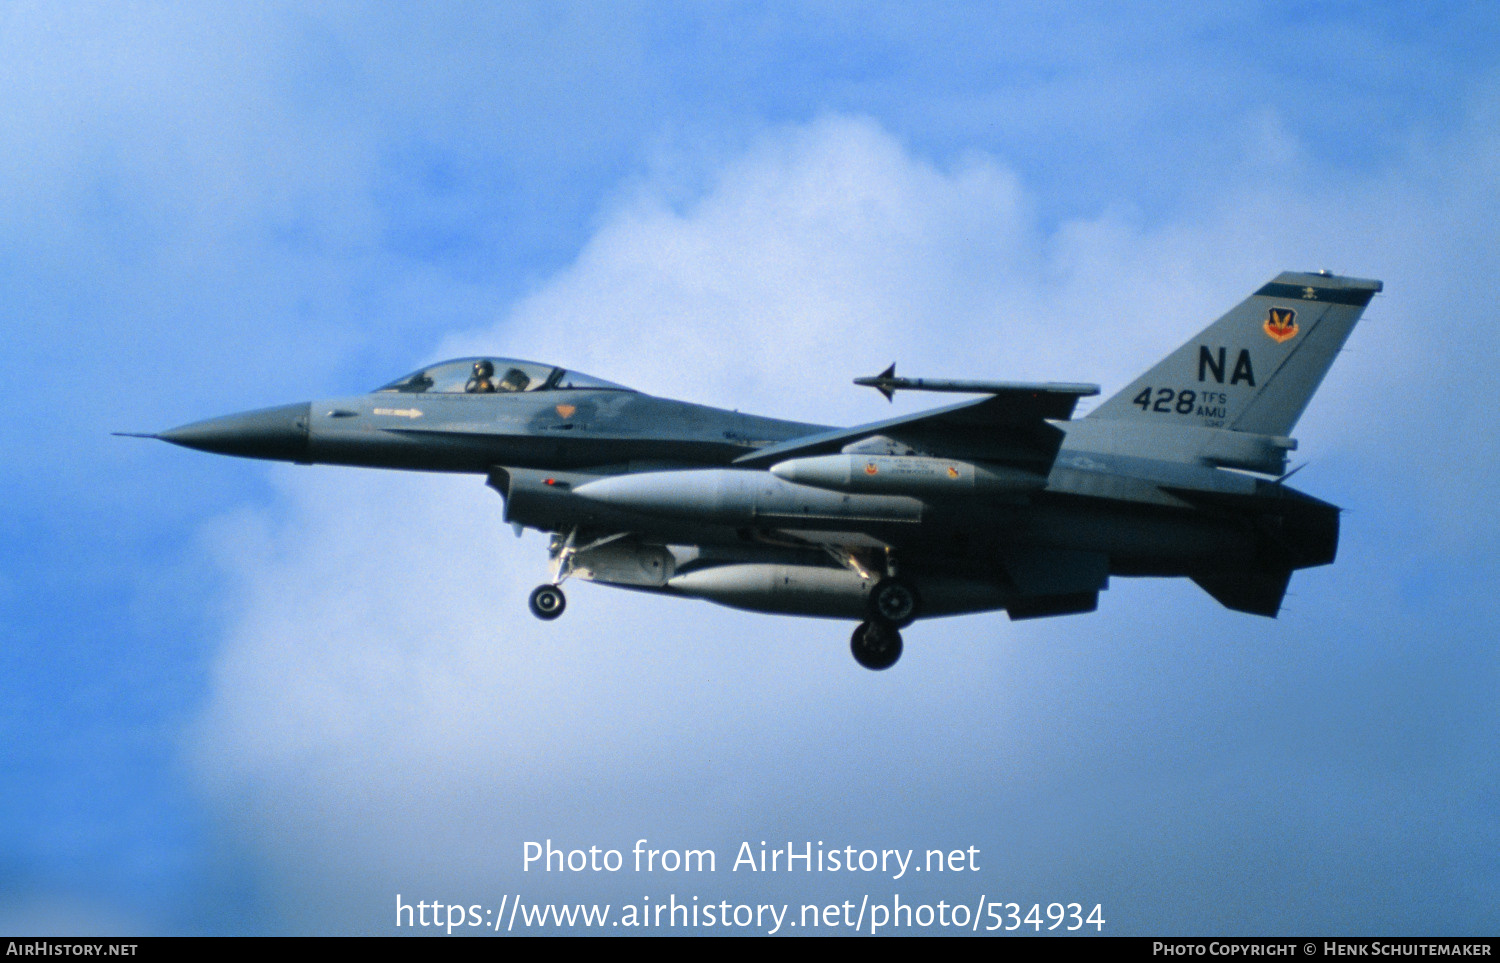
point(888, 384)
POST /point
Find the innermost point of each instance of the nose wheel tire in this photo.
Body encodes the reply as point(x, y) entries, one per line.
point(547, 602)
point(876, 645)
point(895, 601)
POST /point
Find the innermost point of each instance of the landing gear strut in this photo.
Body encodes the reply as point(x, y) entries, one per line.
point(876, 644)
point(547, 602)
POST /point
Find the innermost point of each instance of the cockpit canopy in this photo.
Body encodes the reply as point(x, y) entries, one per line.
point(494, 376)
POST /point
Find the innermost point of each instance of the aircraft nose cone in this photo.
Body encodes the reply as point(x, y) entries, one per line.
point(278, 433)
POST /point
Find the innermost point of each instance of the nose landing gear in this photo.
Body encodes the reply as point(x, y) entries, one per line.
point(547, 602)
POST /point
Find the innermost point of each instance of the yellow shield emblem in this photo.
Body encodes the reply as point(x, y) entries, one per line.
point(1281, 324)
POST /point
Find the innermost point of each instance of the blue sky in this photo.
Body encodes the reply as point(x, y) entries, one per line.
point(249, 698)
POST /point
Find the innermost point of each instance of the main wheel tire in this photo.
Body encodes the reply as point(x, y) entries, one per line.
point(547, 602)
point(875, 645)
point(895, 601)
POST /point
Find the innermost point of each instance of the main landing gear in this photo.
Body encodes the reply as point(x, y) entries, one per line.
point(877, 640)
point(893, 600)
point(876, 644)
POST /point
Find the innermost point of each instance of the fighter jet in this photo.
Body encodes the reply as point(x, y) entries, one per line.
point(1004, 501)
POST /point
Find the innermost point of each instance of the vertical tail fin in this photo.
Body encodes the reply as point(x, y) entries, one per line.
point(1254, 369)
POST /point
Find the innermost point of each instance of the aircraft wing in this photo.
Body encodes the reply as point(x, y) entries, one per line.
point(1009, 427)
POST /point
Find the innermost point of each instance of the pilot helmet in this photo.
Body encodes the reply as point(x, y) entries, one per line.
point(483, 369)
